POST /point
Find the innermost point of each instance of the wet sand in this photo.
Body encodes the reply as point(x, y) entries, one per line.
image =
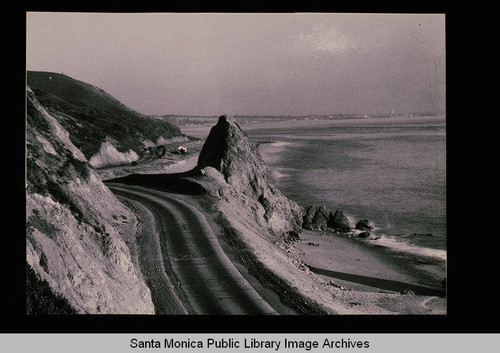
point(356, 266)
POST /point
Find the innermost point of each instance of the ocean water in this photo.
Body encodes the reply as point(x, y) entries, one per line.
point(391, 171)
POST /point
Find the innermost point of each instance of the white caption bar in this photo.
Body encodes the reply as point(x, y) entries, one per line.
point(250, 343)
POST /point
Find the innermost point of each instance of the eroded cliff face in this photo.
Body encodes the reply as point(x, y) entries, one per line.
point(231, 159)
point(76, 229)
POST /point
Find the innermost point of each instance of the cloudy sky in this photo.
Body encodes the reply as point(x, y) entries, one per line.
point(248, 64)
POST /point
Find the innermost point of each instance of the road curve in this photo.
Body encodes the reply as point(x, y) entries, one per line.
point(183, 262)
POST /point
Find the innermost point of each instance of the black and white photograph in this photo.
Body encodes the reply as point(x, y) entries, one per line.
point(248, 164)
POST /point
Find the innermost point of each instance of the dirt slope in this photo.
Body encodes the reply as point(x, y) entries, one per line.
point(76, 229)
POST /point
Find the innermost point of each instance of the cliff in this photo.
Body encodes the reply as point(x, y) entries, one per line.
point(230, 152)
point(77, 232)
point(106, 131)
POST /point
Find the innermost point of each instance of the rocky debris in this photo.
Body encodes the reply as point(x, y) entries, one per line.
point(108, 155)
point(73, 243)
point(293, 255)
point(243, 178)
point(339, 286)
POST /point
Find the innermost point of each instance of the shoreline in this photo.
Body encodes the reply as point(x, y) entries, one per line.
point(377, 288)
point(362, 267)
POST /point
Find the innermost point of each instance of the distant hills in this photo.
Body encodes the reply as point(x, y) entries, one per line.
point(93, 117)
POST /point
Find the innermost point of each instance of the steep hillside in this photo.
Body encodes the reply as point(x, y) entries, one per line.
point(77, 231)
point(105, 130)
point(230, 152)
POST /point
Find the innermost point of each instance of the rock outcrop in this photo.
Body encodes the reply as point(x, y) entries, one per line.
point(75, 228)
point(316, 217)
point(229, 150)
point(339, 221)
point(364, 224)
point(320, 217)
point(230, 157)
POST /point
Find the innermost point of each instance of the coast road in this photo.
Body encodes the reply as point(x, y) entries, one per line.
point(182, 261)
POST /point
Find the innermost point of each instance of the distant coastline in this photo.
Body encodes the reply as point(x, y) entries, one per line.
point(185, 120)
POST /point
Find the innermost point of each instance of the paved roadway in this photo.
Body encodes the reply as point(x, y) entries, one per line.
point(182, 260)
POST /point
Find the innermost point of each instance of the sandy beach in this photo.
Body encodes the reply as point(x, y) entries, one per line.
point(355, 266)
point(368, 277)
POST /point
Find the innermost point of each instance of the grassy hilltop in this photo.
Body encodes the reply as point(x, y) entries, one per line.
point(91, 115)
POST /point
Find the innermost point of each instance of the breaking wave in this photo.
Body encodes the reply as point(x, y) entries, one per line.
point(402, 245)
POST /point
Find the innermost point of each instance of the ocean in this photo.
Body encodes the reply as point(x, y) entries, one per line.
point(391, 171)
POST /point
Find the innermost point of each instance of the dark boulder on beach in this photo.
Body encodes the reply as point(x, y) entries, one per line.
point(321, 218)
point(308, 216)
point(364, 224)
point(322, 215)
point(339, 221)
point(316, 217)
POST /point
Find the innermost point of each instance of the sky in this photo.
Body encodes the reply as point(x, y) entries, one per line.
point(248, 63)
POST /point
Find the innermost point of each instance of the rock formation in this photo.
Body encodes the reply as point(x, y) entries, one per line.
point(320, 217)
point(339, 221)
point(229, 150)
point(316, 217)
point(364, 224)
point(231, 157)
point(74, 228)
